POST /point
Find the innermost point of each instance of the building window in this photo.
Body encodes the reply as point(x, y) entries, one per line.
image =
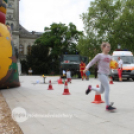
point(12, 26)
point(7, 23)
point(9, 5)
point(10, 16)
point(21, 49)
point(28, 50)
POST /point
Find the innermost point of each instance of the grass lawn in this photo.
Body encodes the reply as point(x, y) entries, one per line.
point(76, 76)
point(91, 76)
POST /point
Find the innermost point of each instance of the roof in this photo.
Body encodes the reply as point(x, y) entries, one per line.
point(24, 33)
point(122, 53)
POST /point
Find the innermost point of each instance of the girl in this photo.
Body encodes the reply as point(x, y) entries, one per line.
point(103, 60)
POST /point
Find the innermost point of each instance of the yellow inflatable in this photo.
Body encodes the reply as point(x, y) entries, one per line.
point(3, 6)
point(8, 62)
point(5, 56)
point(4, 32)
point(113, 64)
point(5, 50)
point(9, 76)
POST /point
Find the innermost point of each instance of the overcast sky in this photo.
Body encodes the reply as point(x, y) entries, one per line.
point(37, 14)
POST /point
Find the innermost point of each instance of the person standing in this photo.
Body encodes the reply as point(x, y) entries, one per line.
point(82, 67)
point(64, 75)
point(120, 65)
point(68, 75)
point(30, 71)
point(103, 59)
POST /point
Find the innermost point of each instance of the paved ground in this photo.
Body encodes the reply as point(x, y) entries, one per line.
point(77, 115)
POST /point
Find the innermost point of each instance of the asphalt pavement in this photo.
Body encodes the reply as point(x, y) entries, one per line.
point(50, 112)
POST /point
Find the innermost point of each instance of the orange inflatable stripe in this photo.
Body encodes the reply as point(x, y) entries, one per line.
point(128, 68)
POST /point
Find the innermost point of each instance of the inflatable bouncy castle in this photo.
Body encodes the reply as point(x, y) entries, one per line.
point(8, 63)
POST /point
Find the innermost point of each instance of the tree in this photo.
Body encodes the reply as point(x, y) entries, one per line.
point(87, 45)
point(124, 26)
point(39, 60)
point(111, 21)
point(100, 18)
point(60, 38)
point(55, 41)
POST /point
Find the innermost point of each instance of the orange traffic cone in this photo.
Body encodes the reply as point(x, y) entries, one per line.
point(111, 80)
point(66, 90)
point(97, 98)
point(60, 81)
point(50, 86)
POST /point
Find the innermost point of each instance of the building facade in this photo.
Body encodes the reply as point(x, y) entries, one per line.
point(22, 39)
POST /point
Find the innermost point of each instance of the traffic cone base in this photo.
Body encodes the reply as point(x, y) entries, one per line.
point(66, 90)
point(98, 102)
point(111, 80)
point(97, 99)
point(50, 86)
point(60, 81)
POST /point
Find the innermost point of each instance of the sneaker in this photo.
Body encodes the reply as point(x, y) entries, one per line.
point(110, 108)
point(112, 103)
point(88, 90)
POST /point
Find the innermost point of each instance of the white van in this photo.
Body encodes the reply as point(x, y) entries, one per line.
point(128, 64)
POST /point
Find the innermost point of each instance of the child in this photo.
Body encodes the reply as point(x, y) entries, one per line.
point(68, 74)
point(103, 60)
point(64, 75)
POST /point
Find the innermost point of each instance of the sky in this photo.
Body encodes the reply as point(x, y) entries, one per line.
point(37, 14)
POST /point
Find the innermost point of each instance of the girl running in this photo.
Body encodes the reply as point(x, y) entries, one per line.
point(103, 59)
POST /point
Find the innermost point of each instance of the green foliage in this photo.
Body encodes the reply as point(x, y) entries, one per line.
point(88, 45)
point(60, 38)
point(55, 41)
point(124, 33)
point(24, 66)
point(39, 60)
point(108, 20)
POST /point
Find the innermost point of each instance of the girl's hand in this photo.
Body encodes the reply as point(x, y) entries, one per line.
point(84, 71)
